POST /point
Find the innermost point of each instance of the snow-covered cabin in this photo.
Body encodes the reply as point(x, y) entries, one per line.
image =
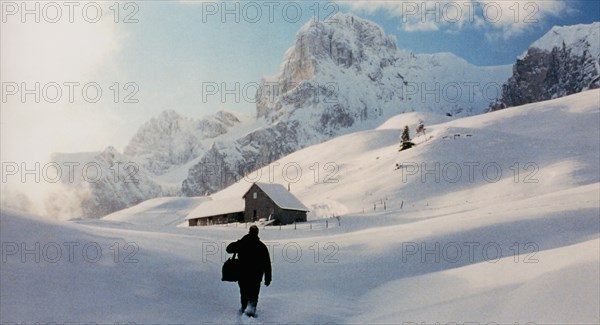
point(273, 202)
point(217, 212)
point(261, 201)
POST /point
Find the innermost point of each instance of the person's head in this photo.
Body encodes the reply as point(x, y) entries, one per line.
point(253, 230)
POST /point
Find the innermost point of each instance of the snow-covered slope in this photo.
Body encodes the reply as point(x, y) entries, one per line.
point(511, 152)
point(167, 211)
point(506, 251)
point(566, 60)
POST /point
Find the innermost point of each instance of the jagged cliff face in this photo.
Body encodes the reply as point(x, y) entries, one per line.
point(170, 140)
point(321, 50)
point(228, 161)
point(346, 41)
point(338, 77)
point(563, 62)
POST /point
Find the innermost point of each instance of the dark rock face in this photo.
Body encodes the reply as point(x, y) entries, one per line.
point(228, 162)
point(335, 117)
point(545, 74)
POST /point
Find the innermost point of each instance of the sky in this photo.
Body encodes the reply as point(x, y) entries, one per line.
point(100, 69)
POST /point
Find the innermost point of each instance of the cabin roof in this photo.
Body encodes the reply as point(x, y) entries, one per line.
point(217, 207)
point(280, 195)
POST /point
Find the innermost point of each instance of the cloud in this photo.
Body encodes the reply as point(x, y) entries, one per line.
point(421, 27)
point(505, 19)
point(61, 47)
point(516, 18)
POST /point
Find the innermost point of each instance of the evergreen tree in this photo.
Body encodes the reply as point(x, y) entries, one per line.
point(421, 128)
point(405, 142)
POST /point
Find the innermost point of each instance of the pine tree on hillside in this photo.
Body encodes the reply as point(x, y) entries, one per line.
point(405, 142)
point(421, 129)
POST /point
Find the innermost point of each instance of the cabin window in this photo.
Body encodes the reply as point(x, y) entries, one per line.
point(254, 195)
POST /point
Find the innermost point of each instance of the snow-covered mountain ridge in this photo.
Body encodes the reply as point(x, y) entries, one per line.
point(170, 140)
point(580, 38)
point(565, 61)
point(371, 76)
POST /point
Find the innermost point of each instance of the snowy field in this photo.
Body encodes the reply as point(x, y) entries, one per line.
point(495, 218)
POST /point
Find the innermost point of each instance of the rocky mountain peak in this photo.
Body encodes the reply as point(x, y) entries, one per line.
point(342, 39)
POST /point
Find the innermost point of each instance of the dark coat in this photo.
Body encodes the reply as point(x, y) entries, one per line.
point(254, 258)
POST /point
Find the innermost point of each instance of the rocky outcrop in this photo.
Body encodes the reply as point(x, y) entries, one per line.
point(227, 162)
point(563, 62)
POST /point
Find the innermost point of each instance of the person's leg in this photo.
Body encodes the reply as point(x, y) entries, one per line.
point(243, 295)
point(253, 291)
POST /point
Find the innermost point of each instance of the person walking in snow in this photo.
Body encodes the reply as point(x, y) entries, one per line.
point(255, 262)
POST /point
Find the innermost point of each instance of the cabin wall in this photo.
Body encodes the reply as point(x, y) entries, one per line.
point(291, 216)
point(217, 220)
point(263, 205)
